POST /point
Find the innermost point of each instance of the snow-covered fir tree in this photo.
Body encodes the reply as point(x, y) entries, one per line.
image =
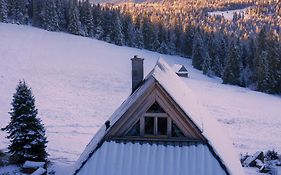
point(3, 11)
point(132, 33)
point(116, 36)
point(97, 21)
point(74, 24)
point(107, 24)
point(49, 16)
point(188, 41)
point(125, 23)
point(25, 130)
point(179, 39)
point(149, 35)
point(262, 72)
point(199, 52)
point(233, 67)
point(61, 12)
point(18, 11)
point(162, 38)
point(87, 18)
point(37, 6)
point(164, 49)
point(139, 39)
point(171, 42)
point(274, 62)
point(207, 66)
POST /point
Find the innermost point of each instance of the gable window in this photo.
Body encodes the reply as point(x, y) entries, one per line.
point(162, 126)
point(149, 125)
point(155, 123)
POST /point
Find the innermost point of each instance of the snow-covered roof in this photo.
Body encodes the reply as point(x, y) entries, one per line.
point(39, 171)
point(32, 164)
point(189, 103)
point(151, 159)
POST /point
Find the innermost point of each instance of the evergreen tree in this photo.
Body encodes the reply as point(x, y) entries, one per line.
point(97, 21)
point(232, 69)
point(207, 66)
point(199, 52)
point(19, 11)
point(37, 6)
point(171, 40)
point(74, 24)
point(116, 36)
point(274, 62)
point(188, 41)
point(149, 35)
point(262, 40)
point(139, 39)
point(3, 11)
point(179, 41)
point(164, 49)
point(49, 16)
point(61, 12)
point(214, 50)
point(127, 29)
point(131, 35)
point(107, 24)
point(262, 72)
point(222, 52)
point(250, 61)
point(87, 18)
point(25, 131)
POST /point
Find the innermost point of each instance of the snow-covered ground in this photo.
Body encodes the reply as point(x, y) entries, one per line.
point(79, 82)
point(227, 14)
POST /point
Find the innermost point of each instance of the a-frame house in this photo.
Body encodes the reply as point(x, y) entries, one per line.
point(161, 129)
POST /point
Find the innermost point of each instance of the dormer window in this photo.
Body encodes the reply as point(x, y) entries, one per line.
point(155, 123)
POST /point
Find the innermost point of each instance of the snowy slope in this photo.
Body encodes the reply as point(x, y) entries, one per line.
point(228, 14)
point(79, 82)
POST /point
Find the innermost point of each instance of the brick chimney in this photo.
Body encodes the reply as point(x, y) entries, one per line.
point(137, 72)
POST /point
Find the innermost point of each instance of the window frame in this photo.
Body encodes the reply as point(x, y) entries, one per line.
point(155, 133)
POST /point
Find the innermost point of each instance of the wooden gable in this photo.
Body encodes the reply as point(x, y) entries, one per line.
point(177, 121)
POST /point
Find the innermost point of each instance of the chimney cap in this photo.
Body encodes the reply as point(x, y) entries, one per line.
point(136, 58)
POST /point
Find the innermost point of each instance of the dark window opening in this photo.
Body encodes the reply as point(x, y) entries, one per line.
point(162, 126)
point(155, 108)
point(149, 125)
point(176, 132)
point(135, 130)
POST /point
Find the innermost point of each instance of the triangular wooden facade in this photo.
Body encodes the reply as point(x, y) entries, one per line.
point(155, 94)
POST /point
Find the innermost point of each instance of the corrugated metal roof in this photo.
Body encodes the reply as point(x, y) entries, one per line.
point(114, 158)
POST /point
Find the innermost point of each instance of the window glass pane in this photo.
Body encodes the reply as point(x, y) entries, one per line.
point(155, 108)
point(162, 126)
point(149, 125)
point(135, 130)
point(176, 132)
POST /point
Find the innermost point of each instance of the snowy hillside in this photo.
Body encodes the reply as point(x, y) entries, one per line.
point(228, 14)
point(79, 82)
